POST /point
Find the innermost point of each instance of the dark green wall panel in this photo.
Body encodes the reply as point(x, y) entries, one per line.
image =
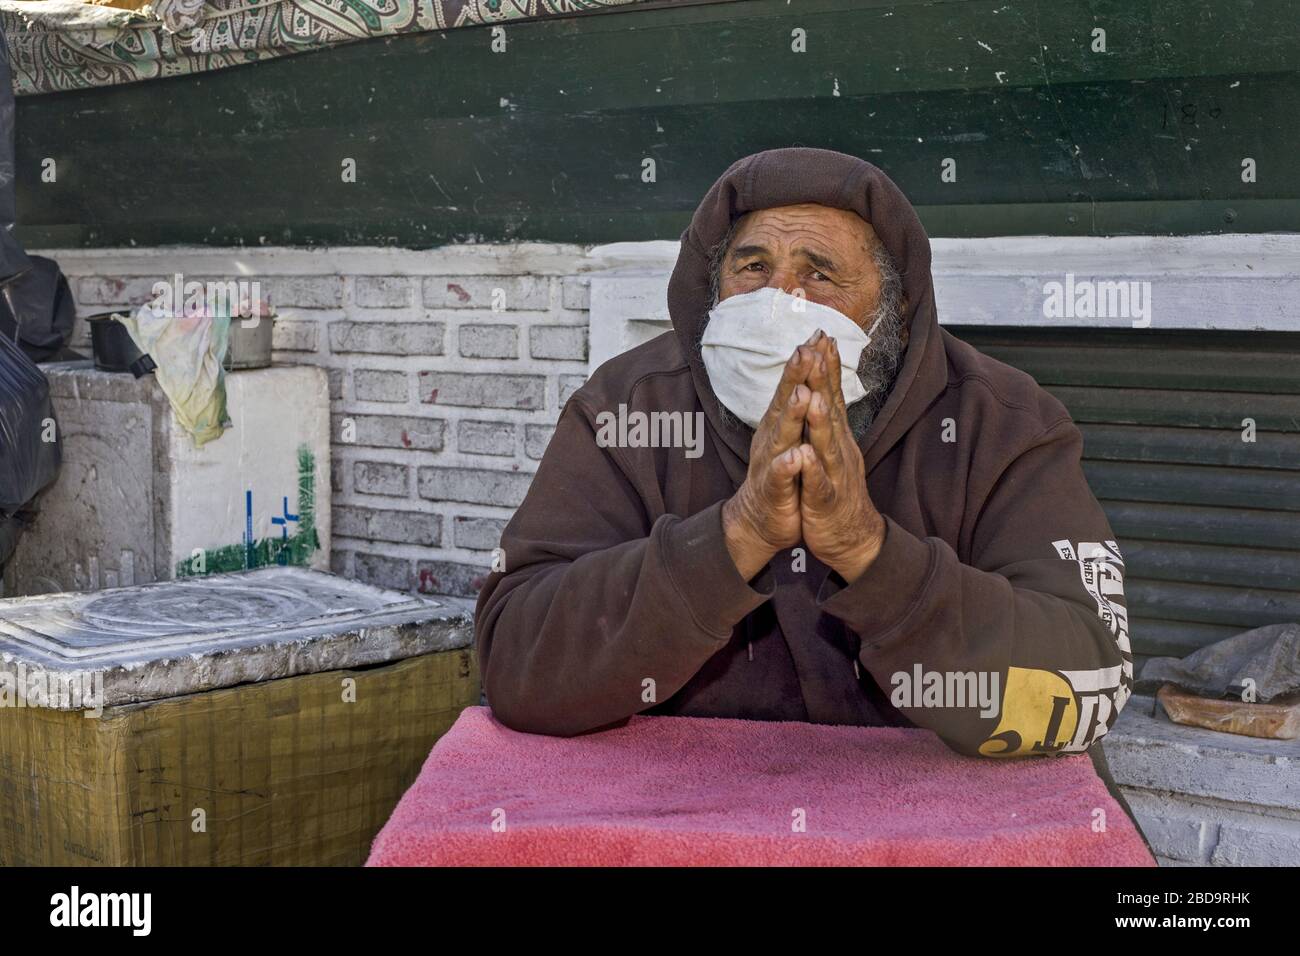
point(1214, 564)
point(1176, 638)
point(1137, 520)
point(1185, 409)
point(546, 141)
point(1212, 605)
point(1190, 446)
point(1151, 360)
point(1209, 524)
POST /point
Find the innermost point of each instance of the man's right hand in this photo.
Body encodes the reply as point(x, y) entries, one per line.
point(762, 517)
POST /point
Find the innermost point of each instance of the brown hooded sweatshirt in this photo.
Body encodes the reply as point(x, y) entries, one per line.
point(998, 579)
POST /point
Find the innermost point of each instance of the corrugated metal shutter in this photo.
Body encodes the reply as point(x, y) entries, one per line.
point(1209, 524)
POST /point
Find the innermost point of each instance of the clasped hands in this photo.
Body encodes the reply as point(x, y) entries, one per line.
point(806, 478)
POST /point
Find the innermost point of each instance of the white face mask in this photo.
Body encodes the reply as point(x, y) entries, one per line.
point(750, 337)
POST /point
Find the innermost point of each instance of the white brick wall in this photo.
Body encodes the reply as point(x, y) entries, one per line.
point(449, 367)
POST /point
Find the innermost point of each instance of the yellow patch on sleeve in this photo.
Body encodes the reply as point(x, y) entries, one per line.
point(1039, 715)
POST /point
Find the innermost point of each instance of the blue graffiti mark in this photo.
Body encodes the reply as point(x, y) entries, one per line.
point(283, 522)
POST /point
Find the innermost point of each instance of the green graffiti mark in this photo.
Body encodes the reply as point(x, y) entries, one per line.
point(297, 548)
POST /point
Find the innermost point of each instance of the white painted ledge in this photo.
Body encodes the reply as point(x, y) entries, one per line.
point(522, 258)
point(1232, 282)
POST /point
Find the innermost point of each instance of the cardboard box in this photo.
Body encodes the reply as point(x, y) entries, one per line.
point(284, 772)
point(271, 717)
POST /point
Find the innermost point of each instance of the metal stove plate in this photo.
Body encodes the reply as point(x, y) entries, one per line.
point(191, 614)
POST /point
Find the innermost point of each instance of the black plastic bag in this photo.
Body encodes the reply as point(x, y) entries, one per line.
point(10, 528)
point(29, 440)
point(38, 310)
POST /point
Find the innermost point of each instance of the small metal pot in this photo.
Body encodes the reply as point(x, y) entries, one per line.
point(113, 348)
point(250, 346)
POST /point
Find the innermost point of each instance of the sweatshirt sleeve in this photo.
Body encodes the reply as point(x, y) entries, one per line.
point(599, 611)
point(1025, 648)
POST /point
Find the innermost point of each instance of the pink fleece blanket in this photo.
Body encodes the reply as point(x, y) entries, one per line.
point(691, 791)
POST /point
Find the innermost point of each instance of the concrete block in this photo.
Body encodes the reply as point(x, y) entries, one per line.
point(482, 390)
point(486, 438)
point(381, 478)
point(383, 292)
point(489, 341)
point(477, 533)
point(136, 501)
point(558, 342)
point(473, 485)
point(380, 385)
point(387, 338)
point(496, 293)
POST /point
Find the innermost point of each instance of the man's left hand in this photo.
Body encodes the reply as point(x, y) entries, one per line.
point(841, 526)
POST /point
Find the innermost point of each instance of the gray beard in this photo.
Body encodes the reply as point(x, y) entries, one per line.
point(878, 369)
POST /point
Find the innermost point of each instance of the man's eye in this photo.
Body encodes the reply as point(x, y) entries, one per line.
point(821, 276)
point(752, 265)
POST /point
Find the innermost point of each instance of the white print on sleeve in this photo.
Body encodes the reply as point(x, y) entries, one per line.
point(1101, 568)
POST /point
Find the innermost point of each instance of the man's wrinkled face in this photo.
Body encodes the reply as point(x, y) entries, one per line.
point(822, 253)
point(834, 258)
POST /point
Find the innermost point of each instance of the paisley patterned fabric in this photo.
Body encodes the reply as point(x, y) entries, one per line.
point(69, 45)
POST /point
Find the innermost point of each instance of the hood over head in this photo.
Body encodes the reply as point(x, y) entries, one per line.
point(786, 177)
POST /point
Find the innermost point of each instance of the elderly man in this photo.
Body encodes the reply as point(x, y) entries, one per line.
point(883, 526)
